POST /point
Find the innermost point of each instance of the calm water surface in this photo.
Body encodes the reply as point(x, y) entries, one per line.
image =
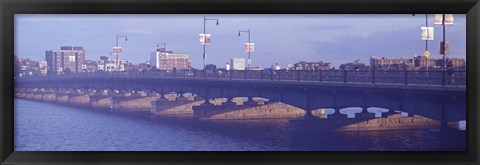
point(43, 126)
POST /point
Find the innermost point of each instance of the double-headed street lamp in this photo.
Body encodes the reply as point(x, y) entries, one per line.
point(248, 47)
point(118, 50)
point(441, 19)
point(204, 39)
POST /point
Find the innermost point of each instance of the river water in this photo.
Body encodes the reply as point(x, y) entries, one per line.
point(41, 126)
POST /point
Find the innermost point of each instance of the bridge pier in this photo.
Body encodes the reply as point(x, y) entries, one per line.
point(29, 95)
point(49, 97)
point(201, 111)
point(180, 106)
point(101, 101)
point(133, 103)
point(20, 94)
point(252, 111)
point(61, 98)
point(443, 120)
point(37, 96)
point(79, 99)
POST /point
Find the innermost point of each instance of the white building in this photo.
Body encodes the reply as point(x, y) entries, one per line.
point(110, 65)
point(43, 67)
point(238, 63)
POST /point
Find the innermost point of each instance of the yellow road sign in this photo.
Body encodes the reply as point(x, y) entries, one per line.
point(426, 54)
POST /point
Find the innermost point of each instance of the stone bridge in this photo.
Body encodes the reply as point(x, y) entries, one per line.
point(439, 101)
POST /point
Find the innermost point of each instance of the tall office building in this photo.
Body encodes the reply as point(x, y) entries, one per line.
point(68, 57)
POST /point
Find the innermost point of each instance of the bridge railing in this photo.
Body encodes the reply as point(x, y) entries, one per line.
point(394, 77)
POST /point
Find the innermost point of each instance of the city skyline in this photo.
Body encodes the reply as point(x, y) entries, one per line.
point(391, 36)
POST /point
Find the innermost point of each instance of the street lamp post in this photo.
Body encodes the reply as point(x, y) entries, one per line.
point(426, 41)
point(426, 54)
point(204, 44)
point(444, 45)
point(116, 52)
point(247, 31)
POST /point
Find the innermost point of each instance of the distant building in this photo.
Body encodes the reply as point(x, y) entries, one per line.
point(457, 63)
point(68, 57)
point(356, 65)
point(237, 63)
point(421, 63)
point(105, 64)
point(90, 66)
point(145, 66)
point(416, 63)
point(27, 67)
point(104, 58)
point(131, 67)
point(303, 65)
point(391, 63)
point(16, 60)
point(43, 67)
point(167, 60)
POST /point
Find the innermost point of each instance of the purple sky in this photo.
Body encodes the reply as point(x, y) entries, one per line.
point(283, 39)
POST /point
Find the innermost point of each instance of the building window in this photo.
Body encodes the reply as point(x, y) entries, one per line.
point(71, 58)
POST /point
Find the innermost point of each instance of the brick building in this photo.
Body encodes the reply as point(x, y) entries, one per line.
point(167, 60)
